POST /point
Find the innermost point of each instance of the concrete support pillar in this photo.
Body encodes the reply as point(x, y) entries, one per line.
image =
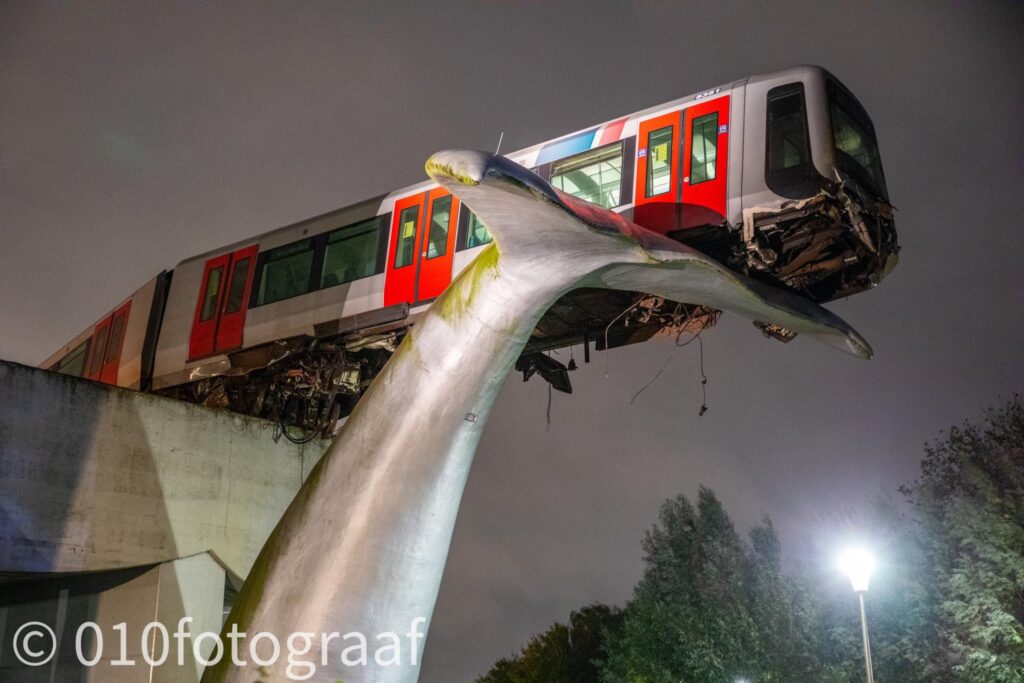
point(120, 601)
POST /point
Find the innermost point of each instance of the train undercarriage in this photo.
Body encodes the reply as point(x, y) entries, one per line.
point(306, 385)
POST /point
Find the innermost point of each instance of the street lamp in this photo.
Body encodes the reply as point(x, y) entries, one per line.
point(858, 563)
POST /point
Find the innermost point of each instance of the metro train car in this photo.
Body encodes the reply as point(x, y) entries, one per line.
point(776, 176)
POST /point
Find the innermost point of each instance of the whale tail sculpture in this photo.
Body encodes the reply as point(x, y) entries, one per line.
point(355, 563)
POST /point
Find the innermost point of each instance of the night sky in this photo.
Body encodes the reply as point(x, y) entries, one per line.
point(132, 137)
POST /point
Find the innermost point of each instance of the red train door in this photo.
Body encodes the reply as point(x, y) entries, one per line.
point(423, 232)
point(406, 224)
point(204, 323)
point(236, 300)
point(223, 299)
point(705, 162)
point(437, 245)
point(98, 349)
point(117, 323)
point(657, 173)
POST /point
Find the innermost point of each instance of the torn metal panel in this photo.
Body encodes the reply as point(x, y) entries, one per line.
point(552, 371)
point(774, 331)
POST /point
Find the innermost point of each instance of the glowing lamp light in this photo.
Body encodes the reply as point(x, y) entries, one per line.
point(857, 563)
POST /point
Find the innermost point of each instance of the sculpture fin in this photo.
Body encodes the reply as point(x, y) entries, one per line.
point(528, 217)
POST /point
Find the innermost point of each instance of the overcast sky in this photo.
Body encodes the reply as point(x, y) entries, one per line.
point(134, 136)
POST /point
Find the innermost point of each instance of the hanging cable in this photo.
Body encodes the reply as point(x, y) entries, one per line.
point(549, 407)
point(615, 320)
point(703, 380)
point(681, 321)
point(656, 376)
point(284, 427)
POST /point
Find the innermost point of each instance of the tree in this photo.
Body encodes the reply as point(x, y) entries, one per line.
point(969, 501)
point(784, 610)
point(564, 653)
point(710, 608)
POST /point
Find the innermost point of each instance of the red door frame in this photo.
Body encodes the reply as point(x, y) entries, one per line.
point(435, 274)
point(705, 202)
point(203, 339)
point(400, 283)
point(660, 212)
point(231, 323)
point(98, 349)
point(118, 323)
point(206, 337)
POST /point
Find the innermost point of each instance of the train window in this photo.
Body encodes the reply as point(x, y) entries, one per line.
point(477, 233)
point(285, 272)
point(408, 220)
point(98, 351)
point(854, 136)
point(236, 289)
point(440, 219)
point(74, 362)
point(209, 308)
point(472, 231)
point(659, 161)
point(788, 146)
point(116, 335)
point(594, 175)
point(703, 148)
point(789, 171)
point(351, 253)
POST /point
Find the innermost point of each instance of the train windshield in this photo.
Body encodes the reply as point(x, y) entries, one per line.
point(856, 147)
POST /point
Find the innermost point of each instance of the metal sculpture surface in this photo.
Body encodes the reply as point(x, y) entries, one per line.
point(363, 545)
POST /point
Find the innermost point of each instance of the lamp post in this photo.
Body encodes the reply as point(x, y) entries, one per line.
point(858, 563)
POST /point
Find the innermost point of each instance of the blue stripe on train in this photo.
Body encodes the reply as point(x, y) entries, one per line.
point(567, 147)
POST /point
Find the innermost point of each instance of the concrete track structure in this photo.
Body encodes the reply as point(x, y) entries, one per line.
point(123, 507)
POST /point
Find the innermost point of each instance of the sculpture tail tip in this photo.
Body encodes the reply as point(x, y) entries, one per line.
point(463, 166)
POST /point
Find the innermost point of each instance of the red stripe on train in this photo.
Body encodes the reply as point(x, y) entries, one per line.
point(612, 131)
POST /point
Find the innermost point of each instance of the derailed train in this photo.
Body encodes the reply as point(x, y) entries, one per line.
point(776, 176)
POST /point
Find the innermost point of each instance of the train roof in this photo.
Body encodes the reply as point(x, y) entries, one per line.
point(795, 72)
